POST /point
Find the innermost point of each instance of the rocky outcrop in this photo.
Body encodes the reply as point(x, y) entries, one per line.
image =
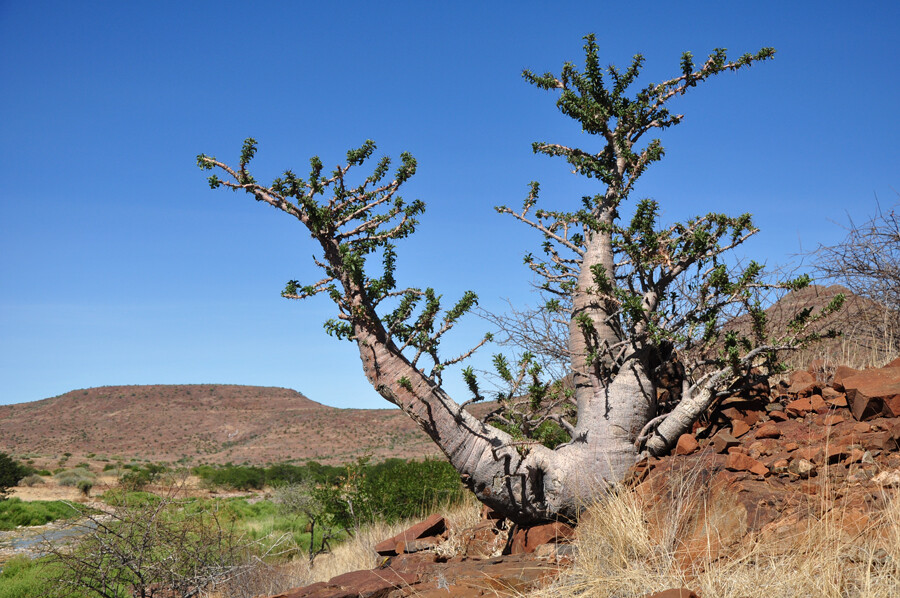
point(769, 463)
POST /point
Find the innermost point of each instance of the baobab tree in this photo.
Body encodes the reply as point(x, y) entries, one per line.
point(631, 292)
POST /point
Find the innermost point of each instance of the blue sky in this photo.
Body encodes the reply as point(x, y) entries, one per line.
point(118, 265)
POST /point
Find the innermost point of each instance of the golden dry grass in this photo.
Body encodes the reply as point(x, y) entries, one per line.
point(624, 550)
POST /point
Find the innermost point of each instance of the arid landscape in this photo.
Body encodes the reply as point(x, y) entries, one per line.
point(205, 423)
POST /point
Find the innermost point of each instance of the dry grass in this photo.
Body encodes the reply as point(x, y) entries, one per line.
point(626, 549)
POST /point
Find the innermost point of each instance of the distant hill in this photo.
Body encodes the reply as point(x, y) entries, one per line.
point(869, 336)
point(213, 423)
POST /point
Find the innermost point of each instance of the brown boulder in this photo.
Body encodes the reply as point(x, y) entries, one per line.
point(686, 445)
point(840, 373)
point(526, 540)
point(874, 392)
point(799, 407)
point(741, 462)
point(739, 427)
point(356, 584)
point(722, 441)
point(800, 377)
point(768, 431)
point(433, 526)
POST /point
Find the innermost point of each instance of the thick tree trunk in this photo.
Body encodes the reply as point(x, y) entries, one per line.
point(526, 482)
point(586, 303)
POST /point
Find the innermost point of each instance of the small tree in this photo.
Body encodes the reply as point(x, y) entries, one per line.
point(629, 292)
point(867, 261)
point(150, 547)
point(11, 471)
point(303, 499)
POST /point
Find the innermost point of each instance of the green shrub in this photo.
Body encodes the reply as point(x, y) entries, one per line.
point(31, 480)
point(11, 471)
point(73, 477)
point(15, 512)
point(84, 486)
point(22, 577)
point(244, 477)
point(138, 478)
point(44, 472)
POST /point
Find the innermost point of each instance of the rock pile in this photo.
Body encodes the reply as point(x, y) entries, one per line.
point(766, 462)
point(412, 567)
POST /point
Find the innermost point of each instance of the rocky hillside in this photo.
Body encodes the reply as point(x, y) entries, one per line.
point(206, 422)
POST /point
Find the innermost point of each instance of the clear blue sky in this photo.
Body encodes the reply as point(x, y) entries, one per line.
point(118, 265)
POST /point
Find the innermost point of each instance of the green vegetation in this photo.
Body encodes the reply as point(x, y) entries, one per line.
point(245, 477)
point(138, 477)
point(74, 477)
point(22, 577)
point(11, 471)
point(313, 507)
point(392, 490)
point(15, 512)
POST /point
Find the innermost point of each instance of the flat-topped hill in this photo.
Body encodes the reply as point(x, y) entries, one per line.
point(206, 422)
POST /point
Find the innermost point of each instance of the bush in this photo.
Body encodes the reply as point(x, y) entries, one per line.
point(84, 486)
point(242, 477)
point(139, 477)
point(73, 477)
point(392, 490)
point(22, 577)
point(31, 480)
point(14, 512)
point(11, 471)
point(152, 545)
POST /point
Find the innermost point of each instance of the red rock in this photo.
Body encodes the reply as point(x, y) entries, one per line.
point(833, 420)
point(739, 428)
point(839, 401)
point(818, 403)
point(748, 416)
point(372, 582)
point(722, 441)
point(800, 377)
point(799, 407)
point(854, 456)
point(840, 373)
point(831, 454)
point(829, 393)
point(893, 364)
point(739, 462)
point(879, 441)
point(679, 593)
point(433, 526)
point(412, 546)
point(686, 445)
point(862, 428)
point(778, 416)
point(891, 407)
point(791, 446)
point(867, 392)
point(807, 452)
point(526, 540)
point(768, 431)
point(780, 465)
